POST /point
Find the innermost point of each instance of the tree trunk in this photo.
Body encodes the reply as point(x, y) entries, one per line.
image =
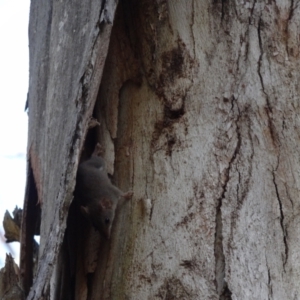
point(198, 106)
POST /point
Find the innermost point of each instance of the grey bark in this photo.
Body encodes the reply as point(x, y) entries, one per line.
point(198, 105)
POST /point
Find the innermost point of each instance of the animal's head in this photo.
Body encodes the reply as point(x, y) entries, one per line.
point(101, 215)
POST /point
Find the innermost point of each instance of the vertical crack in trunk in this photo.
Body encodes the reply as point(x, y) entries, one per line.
point(270, 289)
point(268, 105)
point(270, 296)
point(223, 9)
point(221, 284)
point(192, 32)
point(252, 8)
point(219, 253)
point(274, 139)
point(284, 231)
point(260, 62)
point(286, 29)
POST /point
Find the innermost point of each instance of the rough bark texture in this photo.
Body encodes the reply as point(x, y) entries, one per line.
point(198, 107)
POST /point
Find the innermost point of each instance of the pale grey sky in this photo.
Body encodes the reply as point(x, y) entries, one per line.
point(14, 16)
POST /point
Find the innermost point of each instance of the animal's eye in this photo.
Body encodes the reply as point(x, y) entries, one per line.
point(107, 220)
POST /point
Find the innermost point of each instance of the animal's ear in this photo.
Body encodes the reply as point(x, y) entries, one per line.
point(124, 196)
point(84, 211)
point(105, 204)
point(127, 195)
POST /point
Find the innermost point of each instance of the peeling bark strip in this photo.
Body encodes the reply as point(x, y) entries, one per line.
point(62, 93)
point(199, 115)
point(283, 227)
point(30, 218)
